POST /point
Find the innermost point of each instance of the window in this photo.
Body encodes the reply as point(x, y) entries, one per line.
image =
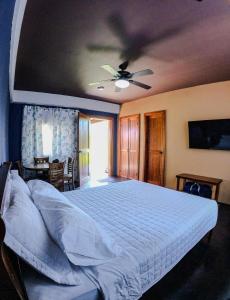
point(48, 132)
point(47, 139)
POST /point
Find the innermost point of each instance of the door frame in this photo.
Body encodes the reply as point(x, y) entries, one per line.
point(119, 142)
point(146, 115)
point(111, 140)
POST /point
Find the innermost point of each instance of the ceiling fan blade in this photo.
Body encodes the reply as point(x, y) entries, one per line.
point(124, 65)
point(142, 73)
point(140, 84)
point(117, 89)
point(99, 82)
point(110, 69)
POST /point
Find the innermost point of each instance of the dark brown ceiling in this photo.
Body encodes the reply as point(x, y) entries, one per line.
point(64, 43)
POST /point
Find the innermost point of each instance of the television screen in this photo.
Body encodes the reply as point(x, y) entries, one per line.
point(209, 134)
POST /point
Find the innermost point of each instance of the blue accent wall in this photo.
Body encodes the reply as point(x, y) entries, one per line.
point(15, 131)
point(6, 16)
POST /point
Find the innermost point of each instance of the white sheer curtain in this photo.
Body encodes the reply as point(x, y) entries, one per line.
point(48, 132)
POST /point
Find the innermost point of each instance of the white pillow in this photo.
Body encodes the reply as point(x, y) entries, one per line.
point(27, 236)
point(18, 184)
point(36, 184)
point(80, 237)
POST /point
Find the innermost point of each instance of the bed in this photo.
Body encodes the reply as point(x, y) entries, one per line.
point(157, 227)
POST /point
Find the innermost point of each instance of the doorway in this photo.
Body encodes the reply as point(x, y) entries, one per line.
point(99, 148)
point(95, 149)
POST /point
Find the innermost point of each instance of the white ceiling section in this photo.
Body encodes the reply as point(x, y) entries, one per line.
point(30, 97)
point(27, 97)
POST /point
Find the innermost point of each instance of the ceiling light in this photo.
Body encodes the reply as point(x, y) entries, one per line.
point(122, 83)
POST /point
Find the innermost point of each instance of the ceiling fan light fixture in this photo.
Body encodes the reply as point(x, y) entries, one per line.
point(122, 83)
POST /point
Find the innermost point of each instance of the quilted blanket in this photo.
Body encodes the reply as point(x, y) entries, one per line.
point(155, 226)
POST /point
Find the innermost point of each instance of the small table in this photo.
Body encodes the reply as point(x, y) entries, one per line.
point(38, 167)
point(213, 182)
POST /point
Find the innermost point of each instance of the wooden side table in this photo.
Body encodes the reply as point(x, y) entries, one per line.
point(213, 182)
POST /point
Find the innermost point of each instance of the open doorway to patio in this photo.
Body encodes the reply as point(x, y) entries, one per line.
point(100, 148)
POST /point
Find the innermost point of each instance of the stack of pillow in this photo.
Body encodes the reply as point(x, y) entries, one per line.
point(51, 234)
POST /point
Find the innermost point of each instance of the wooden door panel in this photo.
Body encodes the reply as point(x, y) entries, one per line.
point(134, 147)
point(124, 147)
point(124, 133)
point(154, 168)
point(124, 166)
point(133, 165)
point(155, 139)
point(129, 147)
point(155, 148)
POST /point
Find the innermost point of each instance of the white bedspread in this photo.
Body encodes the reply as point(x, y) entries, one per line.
point(156, 226)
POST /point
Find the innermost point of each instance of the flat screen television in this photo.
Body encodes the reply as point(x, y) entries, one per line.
point(209, 134)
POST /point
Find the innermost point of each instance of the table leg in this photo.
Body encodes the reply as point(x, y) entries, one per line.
point(217, 192)
point(178, 184)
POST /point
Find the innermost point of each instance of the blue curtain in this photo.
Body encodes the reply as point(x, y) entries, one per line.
point(48, 132)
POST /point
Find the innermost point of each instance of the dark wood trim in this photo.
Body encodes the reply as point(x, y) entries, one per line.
point(130, 116)
point(146, 115)
point(9, 259)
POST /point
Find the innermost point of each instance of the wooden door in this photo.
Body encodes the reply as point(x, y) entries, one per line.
point(129, 147)
point(124, 148)
point(155, 147)
point(134, 128)
point(83, 147)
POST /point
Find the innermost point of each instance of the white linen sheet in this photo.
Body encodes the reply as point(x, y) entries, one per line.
point(155, 226)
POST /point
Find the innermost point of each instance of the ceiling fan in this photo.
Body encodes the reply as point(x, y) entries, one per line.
point(122, 78)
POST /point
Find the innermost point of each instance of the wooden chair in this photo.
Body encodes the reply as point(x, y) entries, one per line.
point(69, 177)
point(21, 171)
point(56, 175)
point(43, 175)
point(41, 160)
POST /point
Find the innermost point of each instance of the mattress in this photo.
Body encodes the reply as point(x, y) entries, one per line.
point(158, 226)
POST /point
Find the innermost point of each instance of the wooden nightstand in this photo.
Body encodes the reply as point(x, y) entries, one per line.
point(213, 182)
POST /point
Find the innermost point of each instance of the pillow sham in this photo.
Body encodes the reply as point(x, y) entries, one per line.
point(18, 184)
point(79, 236)
point(28, 237)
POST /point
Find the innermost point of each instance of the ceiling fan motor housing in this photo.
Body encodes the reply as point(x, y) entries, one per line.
point(124, 74)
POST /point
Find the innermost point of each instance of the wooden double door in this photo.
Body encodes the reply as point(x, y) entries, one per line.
point(129, 146)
